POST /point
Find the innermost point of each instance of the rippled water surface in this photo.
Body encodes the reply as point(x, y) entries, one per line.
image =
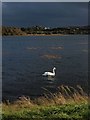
point(25, 59)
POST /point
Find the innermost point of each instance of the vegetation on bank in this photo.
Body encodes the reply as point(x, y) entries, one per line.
point(67, 104)
point(66, 112)
point(39, 30)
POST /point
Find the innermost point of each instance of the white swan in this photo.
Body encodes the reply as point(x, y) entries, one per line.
point(50, 73)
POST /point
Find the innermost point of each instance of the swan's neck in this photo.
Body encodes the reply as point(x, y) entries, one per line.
point(53, 70)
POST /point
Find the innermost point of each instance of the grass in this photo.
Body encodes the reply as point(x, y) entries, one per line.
point(72, 112)
point(67, 104)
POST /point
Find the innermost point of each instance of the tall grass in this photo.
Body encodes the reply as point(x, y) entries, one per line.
point(68, 104)
point(65, 95)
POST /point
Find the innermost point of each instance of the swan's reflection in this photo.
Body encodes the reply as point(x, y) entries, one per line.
point(51, 78)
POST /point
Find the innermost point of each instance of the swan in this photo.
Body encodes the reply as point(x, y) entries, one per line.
point(50, 73)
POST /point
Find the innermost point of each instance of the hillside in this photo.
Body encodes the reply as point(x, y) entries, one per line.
point(38, 30)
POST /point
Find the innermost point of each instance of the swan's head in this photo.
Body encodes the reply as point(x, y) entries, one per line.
point(54, 68)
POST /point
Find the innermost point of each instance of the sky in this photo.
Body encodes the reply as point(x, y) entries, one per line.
point(49, 14)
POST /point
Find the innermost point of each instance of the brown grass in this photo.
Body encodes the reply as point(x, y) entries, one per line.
point(65, 95)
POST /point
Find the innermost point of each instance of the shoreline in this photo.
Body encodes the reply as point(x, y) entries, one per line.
point(43, 35)
point(36, 35)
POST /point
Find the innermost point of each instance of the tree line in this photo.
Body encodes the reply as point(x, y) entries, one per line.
point(44, 30)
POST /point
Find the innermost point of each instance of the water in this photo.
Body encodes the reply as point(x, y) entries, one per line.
point(25, 59)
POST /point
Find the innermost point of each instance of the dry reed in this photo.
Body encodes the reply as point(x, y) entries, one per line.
point(65, 95)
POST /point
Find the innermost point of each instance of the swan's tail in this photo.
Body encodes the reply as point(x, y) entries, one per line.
point(43, 74)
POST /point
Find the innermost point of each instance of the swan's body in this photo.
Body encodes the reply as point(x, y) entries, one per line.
point(50, 73)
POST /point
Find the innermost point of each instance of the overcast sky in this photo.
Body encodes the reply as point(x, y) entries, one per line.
point(47, 14)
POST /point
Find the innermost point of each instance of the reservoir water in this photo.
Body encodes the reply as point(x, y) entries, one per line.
point(25, 59)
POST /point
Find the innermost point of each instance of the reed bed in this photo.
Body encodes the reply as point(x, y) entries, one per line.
point(65, 95)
